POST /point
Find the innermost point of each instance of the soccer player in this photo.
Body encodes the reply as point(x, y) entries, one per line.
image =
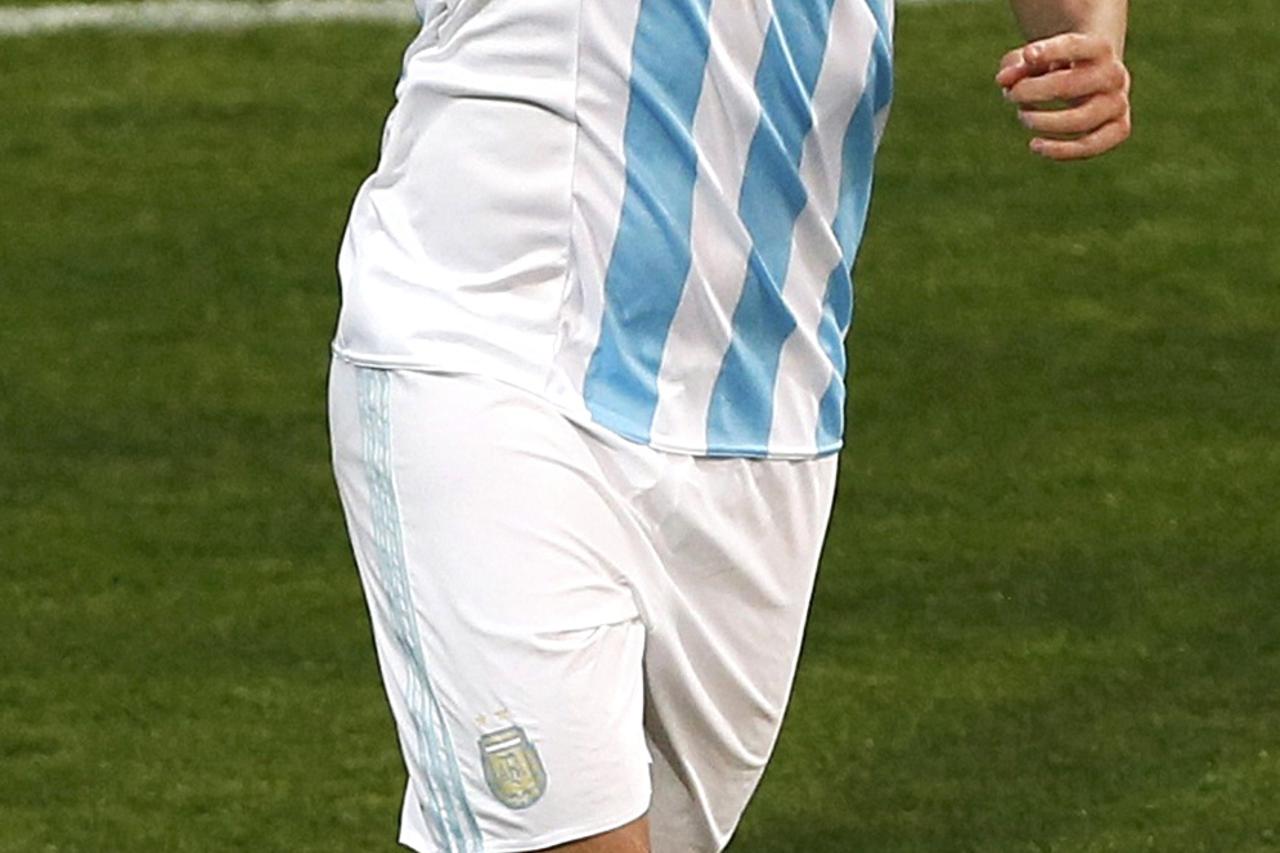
point(587, 392)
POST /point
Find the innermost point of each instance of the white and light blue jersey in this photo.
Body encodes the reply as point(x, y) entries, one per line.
point(645, 210)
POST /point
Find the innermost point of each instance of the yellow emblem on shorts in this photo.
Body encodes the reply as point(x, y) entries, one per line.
point(512, 767)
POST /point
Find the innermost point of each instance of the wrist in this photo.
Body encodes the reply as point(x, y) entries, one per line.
point(1104, 18)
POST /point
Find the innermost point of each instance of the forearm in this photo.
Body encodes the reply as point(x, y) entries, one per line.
point(1043, 18)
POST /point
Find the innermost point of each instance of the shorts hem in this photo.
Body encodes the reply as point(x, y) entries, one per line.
point(419, 844)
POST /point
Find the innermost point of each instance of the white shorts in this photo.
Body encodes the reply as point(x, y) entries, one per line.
point(573, 629)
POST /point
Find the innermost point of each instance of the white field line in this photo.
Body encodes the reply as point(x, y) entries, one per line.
point(187, 15)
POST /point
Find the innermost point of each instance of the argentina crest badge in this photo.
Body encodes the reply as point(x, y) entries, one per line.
point(512, 768)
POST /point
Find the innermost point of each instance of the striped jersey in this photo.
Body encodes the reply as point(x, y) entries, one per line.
point(646, 211)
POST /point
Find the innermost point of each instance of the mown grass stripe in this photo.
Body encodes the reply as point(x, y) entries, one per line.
point(194, 15)
point(191, 15)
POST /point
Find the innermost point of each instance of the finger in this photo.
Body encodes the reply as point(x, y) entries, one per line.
point(1012, 68)
point(1008, 77)
point(1078, 82)
point(1067, 48)
point(1017, 69)
point(1013, 57)
point(1088, 116)
point(1090, 145)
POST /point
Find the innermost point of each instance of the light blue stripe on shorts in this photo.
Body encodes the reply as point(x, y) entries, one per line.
point(429, 747)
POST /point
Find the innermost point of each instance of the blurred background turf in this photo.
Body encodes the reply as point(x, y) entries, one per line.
point(1047, 614)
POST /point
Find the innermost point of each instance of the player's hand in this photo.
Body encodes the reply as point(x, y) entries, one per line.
point(1082, 70)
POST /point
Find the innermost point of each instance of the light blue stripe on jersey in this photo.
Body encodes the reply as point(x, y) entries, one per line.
point(431, 748)
point(773, 196)
point(855, 198)
point(651, 254)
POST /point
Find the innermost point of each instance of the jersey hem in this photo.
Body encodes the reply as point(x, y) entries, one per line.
point(583, 417)
point(783, 455)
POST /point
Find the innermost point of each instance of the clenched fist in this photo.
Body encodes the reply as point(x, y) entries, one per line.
point(1086, 73)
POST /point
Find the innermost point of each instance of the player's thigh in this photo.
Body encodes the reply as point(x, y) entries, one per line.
point(493, 561)
point(741, 557)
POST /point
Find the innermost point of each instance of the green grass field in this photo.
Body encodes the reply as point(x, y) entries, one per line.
point(1048, 613)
